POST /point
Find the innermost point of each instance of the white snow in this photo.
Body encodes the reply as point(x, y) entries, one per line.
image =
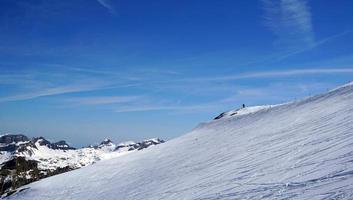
point(127, 143)
point(53, 158)
point(299, 150)
point(4, 156)
point(155, 140)
point(245, 111)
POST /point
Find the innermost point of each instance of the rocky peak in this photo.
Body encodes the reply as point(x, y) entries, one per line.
point(149, 142)
point(61, 145)
point(13, 138)
point(154, 141)
point(140, 145)
point(13, 142)
point(41, 141)
point(106, 142)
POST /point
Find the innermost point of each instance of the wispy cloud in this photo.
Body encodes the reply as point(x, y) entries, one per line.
point(51, 91)
point(103, 100)
point(207, 107)
point(313, 45)
point(32, 84)
point(271, 74)
point(106, 4)
point(250, 95)
point(282, 55)
point(35, 85)
point(290, 21)
point(275, 92)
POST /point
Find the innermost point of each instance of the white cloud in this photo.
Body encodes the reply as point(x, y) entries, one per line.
point(278, 92)
point(207, 107)
point(290, 21)
point(35, 85)
point(106, 4)
point(313, 45)
point(103, 100)
point(32, 84)
point(270, 74)
point(51, 91)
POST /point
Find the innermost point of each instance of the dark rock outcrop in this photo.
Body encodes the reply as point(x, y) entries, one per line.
point(220, 116)
point(106, 142)
point(140, 145)
point(57, 145)
point(61, 145)
point(13, 138)
point(19, 171)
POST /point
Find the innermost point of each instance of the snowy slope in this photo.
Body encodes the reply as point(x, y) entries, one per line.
point(24, 160)
point(299, 150)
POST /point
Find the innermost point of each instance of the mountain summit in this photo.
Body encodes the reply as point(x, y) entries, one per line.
point(298, 150)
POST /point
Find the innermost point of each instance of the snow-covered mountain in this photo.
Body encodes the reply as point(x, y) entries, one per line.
point(299, 150)
point(24, 160)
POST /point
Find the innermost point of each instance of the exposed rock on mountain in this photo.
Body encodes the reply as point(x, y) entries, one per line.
point(24, 160)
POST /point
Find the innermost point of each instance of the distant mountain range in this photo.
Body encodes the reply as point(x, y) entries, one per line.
point(24, 160)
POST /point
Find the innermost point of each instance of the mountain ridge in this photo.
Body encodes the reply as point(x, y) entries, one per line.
point(24, 160)
point(298, 150)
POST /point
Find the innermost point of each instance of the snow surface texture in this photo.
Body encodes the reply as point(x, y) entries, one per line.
point(300, 150)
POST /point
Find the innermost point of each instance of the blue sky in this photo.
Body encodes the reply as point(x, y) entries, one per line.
point(85, 70)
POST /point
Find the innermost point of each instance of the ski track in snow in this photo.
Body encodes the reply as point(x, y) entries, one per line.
point(299, 150)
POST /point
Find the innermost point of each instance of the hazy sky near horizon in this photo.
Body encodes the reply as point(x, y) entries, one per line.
point(85, 70)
